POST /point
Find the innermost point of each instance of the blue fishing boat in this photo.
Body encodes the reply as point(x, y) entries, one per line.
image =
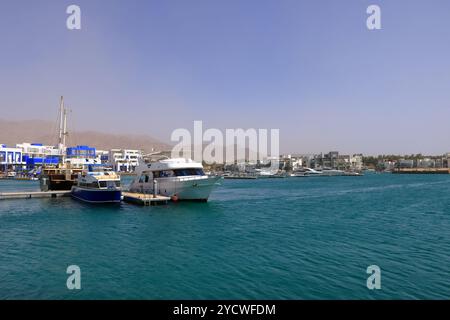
point(102, 186)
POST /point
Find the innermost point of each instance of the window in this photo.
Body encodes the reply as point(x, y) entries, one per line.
point(167, 173)
point(189, 172)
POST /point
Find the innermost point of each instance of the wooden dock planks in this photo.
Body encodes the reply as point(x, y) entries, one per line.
point(144, 199)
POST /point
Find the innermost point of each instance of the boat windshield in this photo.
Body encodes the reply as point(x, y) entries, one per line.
point(109, 184)
point(172, 173)
point(189, 172)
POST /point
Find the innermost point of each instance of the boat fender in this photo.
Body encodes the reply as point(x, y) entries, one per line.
point(174, 198)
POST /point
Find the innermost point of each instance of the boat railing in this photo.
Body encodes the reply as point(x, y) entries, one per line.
point(189, 178)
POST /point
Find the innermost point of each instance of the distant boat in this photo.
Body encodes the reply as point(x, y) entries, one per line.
point(238, 176)
point(332, 172)
point(306, 172)
point(101, 186)
point(262, 173)
point(11, 174)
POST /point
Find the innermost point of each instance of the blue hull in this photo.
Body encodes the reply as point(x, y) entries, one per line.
point(96, 195)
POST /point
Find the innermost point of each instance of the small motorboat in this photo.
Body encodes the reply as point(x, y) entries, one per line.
point(101, 186)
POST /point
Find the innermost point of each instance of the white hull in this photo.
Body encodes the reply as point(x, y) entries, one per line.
point(184, 188)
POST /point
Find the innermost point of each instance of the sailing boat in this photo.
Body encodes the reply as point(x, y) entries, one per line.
point(62, 176)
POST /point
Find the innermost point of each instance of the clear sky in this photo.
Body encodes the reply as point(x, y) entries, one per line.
point(309, 68)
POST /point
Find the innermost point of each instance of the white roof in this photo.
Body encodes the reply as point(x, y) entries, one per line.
point(170, 164)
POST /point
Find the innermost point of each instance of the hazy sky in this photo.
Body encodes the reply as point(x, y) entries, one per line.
point(309, 68)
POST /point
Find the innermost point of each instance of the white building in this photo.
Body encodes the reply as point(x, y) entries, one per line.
point(426, 163)
point(10, 158)
point(388, 165)
point(356, 161)
point(37, 150)
point(102, 156)
point(297, 163)
point(406, 163)
point(37, 154)
point(124, 160)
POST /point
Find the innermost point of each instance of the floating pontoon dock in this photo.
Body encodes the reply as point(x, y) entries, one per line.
point(33, 194)
point(144, 199)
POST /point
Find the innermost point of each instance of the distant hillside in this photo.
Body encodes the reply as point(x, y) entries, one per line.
point(39, 131)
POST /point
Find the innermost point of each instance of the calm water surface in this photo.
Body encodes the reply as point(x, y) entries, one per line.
point(295, 238)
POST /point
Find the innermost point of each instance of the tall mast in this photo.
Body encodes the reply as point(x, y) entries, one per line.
point(61, 116)
point(62, 128)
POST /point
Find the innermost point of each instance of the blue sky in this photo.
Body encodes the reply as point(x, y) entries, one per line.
point(309, 68)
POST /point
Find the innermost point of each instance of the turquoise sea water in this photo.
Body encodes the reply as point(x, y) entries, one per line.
point(294, 238)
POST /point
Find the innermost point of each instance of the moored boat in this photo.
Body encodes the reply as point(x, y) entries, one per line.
point(61, 176)
point(58, 178)
point(181, 179)
point(98, 187)
point(306, 172)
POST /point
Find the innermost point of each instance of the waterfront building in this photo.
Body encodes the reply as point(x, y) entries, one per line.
point(10, 158)
point(387, 165)
point(316, 161)
point(330, 160)
point(427, 163)
point(446, 160)
point(296, 163)
point(81, 155)
point(356, 162)
point(440, 163)
point(344, 162)
point(124, 160)
point(307, 161)
point(36, 155)
point(291, 162)
point(406, 163)
point(327, 160)
point(102, 156)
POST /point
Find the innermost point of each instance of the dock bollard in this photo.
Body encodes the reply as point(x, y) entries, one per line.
point(155, 185)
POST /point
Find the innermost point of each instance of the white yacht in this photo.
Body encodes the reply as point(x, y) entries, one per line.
point(326, 172)
point(306, 172)
point(181, 179)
